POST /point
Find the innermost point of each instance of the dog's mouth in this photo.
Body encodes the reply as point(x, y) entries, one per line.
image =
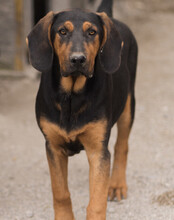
point(76, 74)
point(70, 70)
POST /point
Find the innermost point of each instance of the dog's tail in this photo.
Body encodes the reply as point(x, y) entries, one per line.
point(106, 6)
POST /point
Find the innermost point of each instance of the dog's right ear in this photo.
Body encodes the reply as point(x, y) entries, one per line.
point(39, 44)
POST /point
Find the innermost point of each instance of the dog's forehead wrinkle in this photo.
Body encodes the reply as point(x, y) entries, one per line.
point(77, 17)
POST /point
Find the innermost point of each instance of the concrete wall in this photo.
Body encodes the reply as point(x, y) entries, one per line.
point(11, 51)
point(13, 30)
point(7, 33)
point(59, 5)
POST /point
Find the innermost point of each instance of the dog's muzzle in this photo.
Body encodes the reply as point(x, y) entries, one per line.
point(78, 60)
point(77, 66)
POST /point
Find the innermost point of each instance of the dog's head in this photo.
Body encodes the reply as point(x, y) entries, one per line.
point(76, 38)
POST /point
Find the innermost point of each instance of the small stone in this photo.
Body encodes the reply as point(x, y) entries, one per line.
point(29, 214)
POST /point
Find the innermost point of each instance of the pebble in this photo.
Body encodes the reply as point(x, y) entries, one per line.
point(29, 214)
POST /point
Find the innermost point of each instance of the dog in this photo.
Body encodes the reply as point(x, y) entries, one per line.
point(88, 64)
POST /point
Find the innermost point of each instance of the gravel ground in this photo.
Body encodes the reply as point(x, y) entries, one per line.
point(25, 191)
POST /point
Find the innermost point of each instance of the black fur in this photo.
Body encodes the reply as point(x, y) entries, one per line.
point(104, 94)
point(106, 6)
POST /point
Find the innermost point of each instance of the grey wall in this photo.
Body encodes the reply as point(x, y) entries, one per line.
point(7, 33)
point(9, 27)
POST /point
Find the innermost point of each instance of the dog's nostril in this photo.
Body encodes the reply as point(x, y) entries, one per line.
point(83, 59)
point(76, 60)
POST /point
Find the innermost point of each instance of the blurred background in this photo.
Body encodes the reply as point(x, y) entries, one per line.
point(17, 17)
point(25, 191)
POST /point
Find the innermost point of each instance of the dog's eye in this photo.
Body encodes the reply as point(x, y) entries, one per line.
point(92, 32)
point(62, 32)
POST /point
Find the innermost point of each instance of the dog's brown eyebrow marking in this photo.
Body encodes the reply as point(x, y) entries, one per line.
point(87, 25)
point(68, 25)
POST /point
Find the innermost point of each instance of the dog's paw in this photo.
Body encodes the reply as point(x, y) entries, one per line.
point(118, 191)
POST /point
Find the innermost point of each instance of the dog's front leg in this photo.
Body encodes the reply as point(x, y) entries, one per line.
point(99, 162)
point(58, 163)
point(99, 179)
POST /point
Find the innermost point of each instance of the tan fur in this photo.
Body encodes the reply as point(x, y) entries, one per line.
point(69, 25)
point(26, 40)
point(67, 83)
point(87, 25)
point(56, 134)
point(91, 51)
point(49, 34)
point(46, 21)
point(91, 136)
point(106, 20)
point(106, 27)
point(58, 106)
point(122, 44)
point(79, 83)
point(59, 172)
point(99, 170)
point(62, 51)
point(91, 48)
point(118, 185)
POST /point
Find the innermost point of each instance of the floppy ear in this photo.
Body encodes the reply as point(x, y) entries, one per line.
point(110, 52)
point(39, 44)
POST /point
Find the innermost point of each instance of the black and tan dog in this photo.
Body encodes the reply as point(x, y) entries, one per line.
point(88, 64)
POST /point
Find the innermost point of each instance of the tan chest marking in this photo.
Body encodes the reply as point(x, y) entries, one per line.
point(92, 132)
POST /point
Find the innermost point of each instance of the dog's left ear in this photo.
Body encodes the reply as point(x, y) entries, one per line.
point(110, 50)
point(39, 44)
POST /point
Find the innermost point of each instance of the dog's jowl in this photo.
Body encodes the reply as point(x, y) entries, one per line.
point(88, 64)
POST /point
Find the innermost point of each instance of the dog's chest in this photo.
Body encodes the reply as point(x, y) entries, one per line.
point(71, 107)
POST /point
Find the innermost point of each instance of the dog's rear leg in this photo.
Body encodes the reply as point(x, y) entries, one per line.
point(118, 186)
point(58, 163)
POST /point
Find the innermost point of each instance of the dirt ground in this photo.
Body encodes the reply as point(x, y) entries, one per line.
point(25, 191)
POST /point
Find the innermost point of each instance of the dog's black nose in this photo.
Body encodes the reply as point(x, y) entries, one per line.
point(77, 59)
